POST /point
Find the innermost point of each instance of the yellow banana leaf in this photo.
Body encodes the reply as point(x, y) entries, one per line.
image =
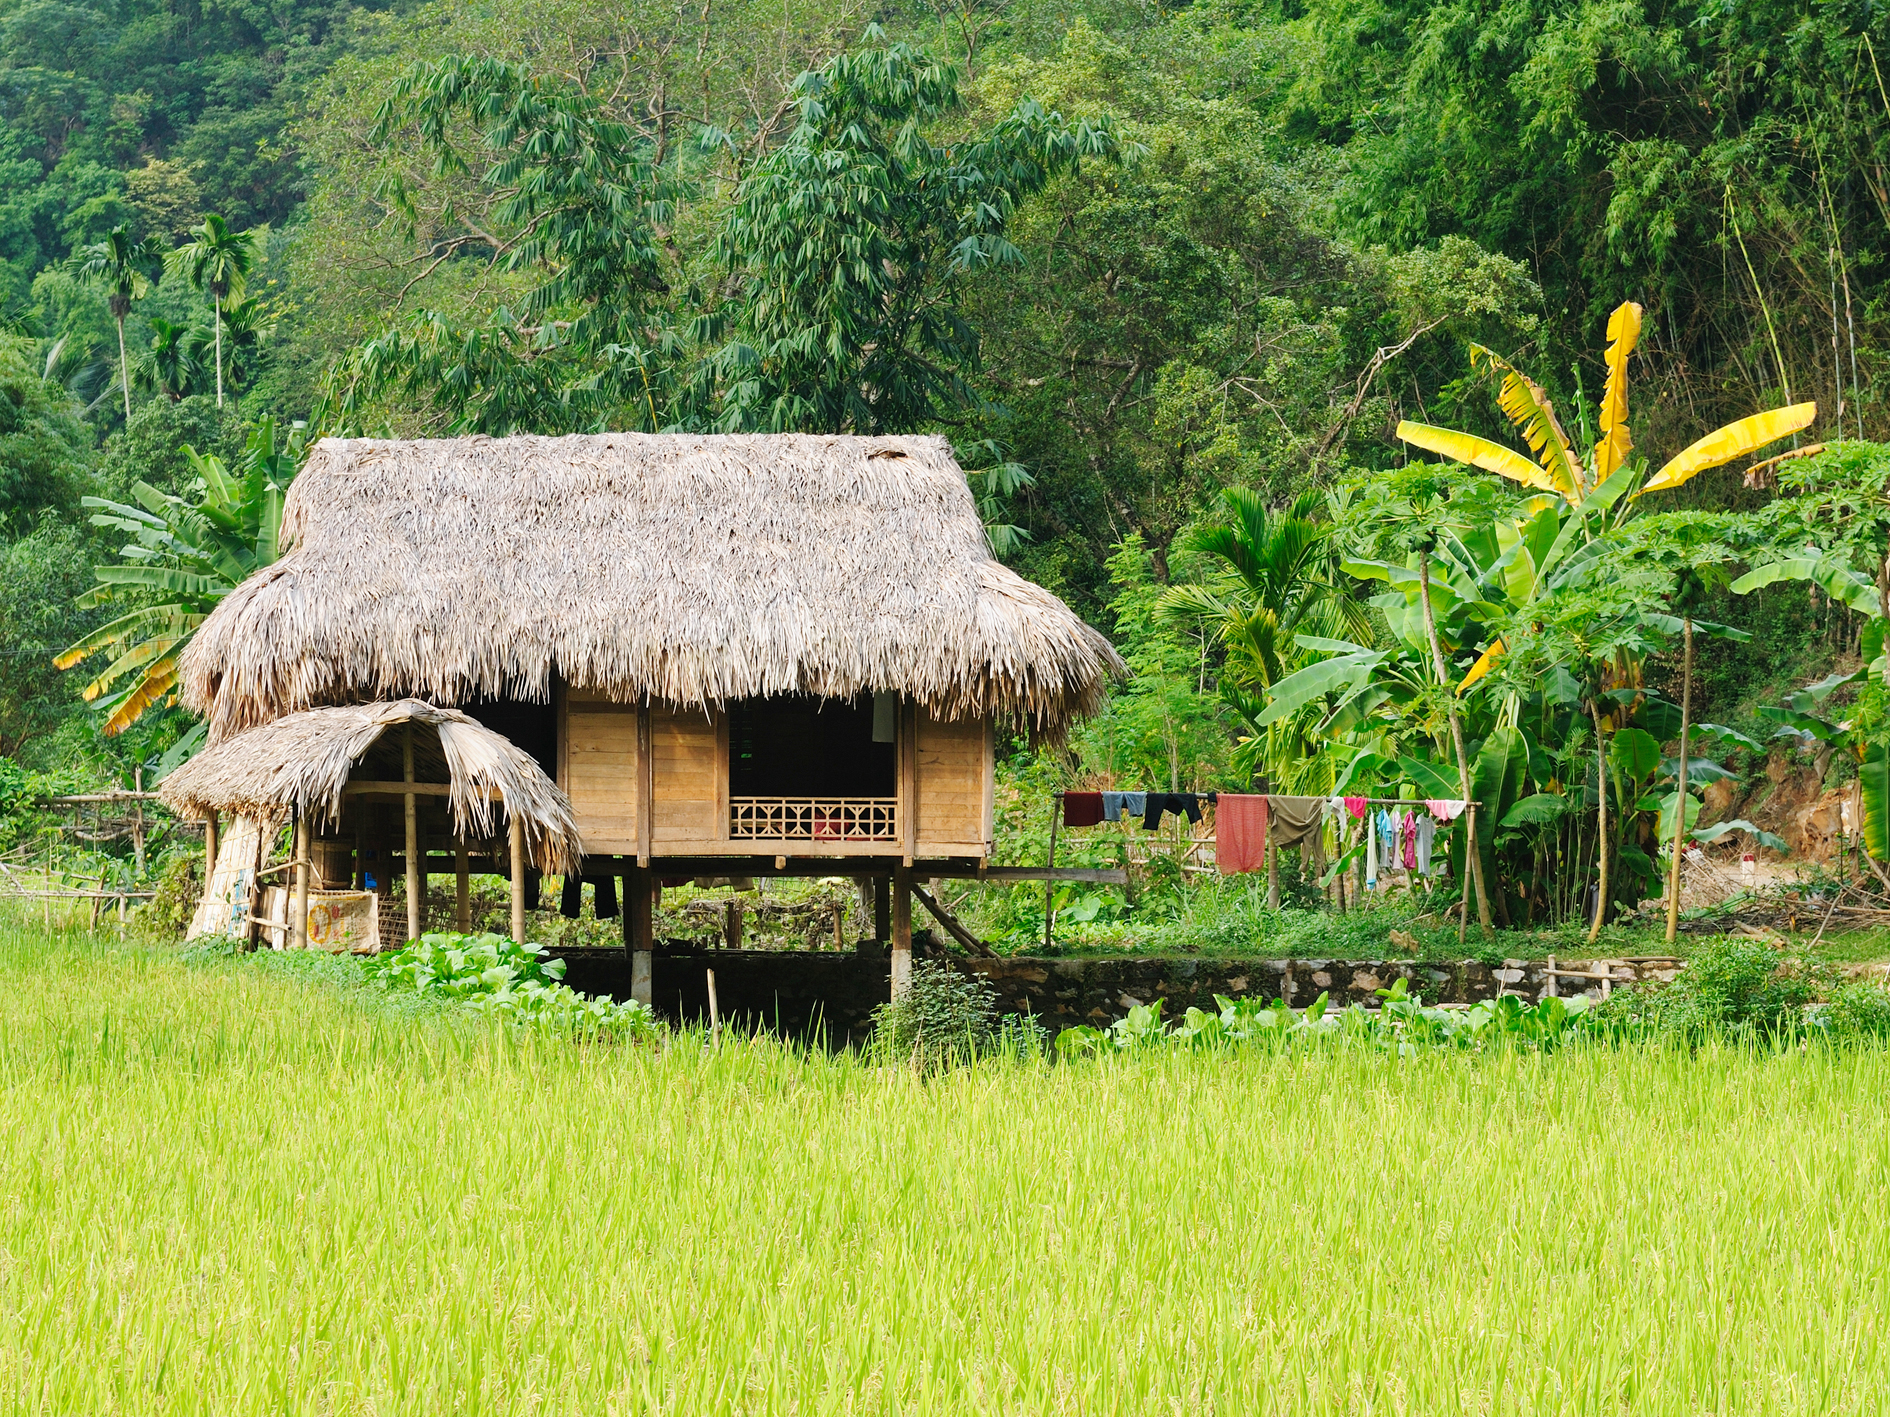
point(1529, 409)
point(158, 681)
point(1477, 452)
point(1736, 439)
point(1485, 663)
point(1624, 332)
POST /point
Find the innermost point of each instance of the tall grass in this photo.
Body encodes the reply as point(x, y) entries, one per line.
point(229, 1190)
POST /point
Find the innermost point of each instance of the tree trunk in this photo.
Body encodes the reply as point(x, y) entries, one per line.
point(1601, 821)
point(124, 369)
point(1472, 858)
point(1680, 806)
point(216, 321)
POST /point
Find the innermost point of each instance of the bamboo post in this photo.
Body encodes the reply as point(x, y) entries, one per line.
point(462, 887)
point(715, 1012)
point(641, 908)
point(137, 819)
point(1469, 849)
point(901, 931)
point(298, 910)
point(1049, 887)
point(209, 847)
point(1273, 877)
point(414, 885)
point(516, 831)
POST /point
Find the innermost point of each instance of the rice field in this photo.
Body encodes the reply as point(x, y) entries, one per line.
point(231, 1190)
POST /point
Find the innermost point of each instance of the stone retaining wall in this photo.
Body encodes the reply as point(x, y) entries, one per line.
point(803, 993)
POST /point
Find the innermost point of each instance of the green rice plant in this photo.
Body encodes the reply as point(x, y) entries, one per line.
point(240, 1187)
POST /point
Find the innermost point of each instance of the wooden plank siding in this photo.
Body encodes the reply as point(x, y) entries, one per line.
point(688, 781)
point(598, 768)
point(952, 793)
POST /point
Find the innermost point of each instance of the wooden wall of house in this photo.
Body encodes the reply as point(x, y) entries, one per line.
point(598, 768)
point(689, 790)
point(954, 785)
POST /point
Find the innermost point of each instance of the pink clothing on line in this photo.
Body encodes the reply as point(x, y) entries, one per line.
point(1445, 809)
point(1356, 805)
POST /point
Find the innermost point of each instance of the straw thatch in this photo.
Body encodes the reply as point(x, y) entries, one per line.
point(301, 762)
point(692, 569)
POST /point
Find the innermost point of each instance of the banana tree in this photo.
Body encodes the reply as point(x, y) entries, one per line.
point(185, 555)
point(1556, 467)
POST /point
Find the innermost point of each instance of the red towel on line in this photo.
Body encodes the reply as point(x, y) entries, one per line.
point(1240, 833)
point(1082, 809)
point(1356, 805)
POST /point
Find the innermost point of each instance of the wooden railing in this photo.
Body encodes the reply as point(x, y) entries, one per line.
point(813, 818)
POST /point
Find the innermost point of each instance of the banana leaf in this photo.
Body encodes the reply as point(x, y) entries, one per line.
point(1874, 778)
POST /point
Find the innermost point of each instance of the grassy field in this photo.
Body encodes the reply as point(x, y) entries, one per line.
point(230, 1188)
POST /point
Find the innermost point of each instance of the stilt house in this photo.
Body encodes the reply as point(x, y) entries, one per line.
point(733, 654)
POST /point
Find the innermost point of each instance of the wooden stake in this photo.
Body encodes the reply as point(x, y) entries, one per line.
point(462, 888)
point(642, 908)
point(901, 931)
point(517, 834)
point(1049, 907)
point(1273, 877)
point(715, 1012)
point(209, 848)
point(298, 910)
point(414, 886)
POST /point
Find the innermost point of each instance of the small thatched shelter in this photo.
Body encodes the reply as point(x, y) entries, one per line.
point(771, 648)
point(460, 787)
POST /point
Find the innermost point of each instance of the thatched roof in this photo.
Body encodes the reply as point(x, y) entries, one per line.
point(692, 569)
point(301, 761)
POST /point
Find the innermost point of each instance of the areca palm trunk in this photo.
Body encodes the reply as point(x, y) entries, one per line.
point(1680, 805)
point(124, 367)
point(216, 324)
point(1601, 821)
point(1472, 858)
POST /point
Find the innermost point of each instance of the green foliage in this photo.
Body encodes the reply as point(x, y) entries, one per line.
point(1731, 984)
point(42, 576)
point(1401, 1024)
point(185, 555)
point(44, 446)
point(495, 976)
point(850, 241)
point(946, 1018)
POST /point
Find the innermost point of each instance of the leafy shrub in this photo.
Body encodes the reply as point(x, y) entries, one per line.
point(1401, 1023)
point(167, 914)
point(494, 975)
point(1732, 984)
point(945, 1018)
point(1856, 1010)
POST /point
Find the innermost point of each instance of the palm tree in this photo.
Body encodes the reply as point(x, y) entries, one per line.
point(217, 261)
point(122, 268)
point(1279, 579)
point(173, 365)
point(194, 552)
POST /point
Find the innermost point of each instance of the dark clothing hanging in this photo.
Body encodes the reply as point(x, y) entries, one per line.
point(1176, 802)
point(604, 896)
point(1082, 809)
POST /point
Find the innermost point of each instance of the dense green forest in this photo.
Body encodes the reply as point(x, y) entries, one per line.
point(1127, 257)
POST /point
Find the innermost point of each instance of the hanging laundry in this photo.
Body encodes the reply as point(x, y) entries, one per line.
point(1421, 836)
point(1445, 809)
point(603, 891)
point(1357, 805)
point(1387, 839)
point(1371, 854)
point(1082, 809)
point(1240, 833)
point(1301, 822)
point(1176, 802)
point(1114, 804)
point(1407, 841)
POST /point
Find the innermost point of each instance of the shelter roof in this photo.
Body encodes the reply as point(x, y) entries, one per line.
point(302, 761)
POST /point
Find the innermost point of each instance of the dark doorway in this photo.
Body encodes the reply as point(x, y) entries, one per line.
point(797, 745)
point(532, 727)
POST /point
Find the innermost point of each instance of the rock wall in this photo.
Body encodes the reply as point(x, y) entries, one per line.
point(830, 993)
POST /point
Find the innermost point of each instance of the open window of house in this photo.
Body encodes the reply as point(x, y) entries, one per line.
point(813, 769)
